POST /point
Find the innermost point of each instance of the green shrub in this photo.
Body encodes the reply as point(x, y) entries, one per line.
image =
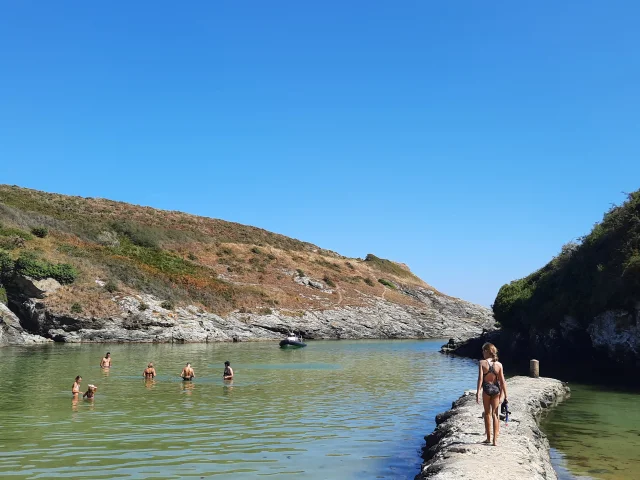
point(111, 286)
point(76, 307)
point(40, 232)
point(30, 266)
point(6, 265)
point(3, 296)
point(300, 272)
point(192, 256)
point(143, 306)
point(329, 281)
point(368, 281)
point(387, 283)
point(256, 250)
point(167, 305)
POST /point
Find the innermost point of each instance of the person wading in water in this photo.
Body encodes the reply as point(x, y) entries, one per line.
point(106, 361)
point(75, 389)
point(493, 385)
point(149, 372)
point(188, 373)
point(228, 371)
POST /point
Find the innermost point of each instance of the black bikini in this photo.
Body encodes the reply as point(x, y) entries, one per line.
point(491, 388)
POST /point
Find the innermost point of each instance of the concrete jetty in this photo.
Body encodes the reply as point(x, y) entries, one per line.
point(454, 450)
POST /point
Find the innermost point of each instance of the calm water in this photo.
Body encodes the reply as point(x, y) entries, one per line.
point(596, 434)
point(332, 410)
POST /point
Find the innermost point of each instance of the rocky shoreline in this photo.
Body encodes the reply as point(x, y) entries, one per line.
point(453, 450)
point(143, 319)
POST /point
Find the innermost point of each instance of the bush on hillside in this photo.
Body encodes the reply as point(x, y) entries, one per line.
point(329, 281)
point(111, 286)
point(40, 232)
point(29, 265)
point(76, 308)
point(387, 283)
point(368, 281)
point(167, 305)
point(3, 296)
point(12, 242)
point(138, 234)
point(6, 266)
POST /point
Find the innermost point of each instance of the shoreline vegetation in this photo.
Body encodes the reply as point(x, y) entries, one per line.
point(454, 449)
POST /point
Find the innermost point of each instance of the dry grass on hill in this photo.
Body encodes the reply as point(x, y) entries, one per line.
point(218, 265)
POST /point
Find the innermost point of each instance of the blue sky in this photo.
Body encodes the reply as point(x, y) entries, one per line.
point(470, 140)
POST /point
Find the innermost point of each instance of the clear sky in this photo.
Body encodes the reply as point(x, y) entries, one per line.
point(470, 140)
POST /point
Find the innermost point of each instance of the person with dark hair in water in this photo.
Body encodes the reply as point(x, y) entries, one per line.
point(106, 361)
point(493, 385)
point(228, 371)
point(149, 372)
point(188, 373)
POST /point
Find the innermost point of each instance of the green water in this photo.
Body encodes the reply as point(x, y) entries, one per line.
point(596, 434)
point(332, 410)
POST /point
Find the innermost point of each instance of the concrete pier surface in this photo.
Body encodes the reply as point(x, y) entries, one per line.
point(454, 451)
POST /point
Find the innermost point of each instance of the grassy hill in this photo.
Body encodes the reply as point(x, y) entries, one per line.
point(99, 248)
point(599, 273)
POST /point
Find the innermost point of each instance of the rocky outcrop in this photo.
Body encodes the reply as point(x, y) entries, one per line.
point(454, 450)
point(32, 288)
point(143, 319)
point(12, 333)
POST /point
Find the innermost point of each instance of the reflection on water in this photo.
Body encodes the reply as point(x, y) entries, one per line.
point(596, 434)
point(331, 410)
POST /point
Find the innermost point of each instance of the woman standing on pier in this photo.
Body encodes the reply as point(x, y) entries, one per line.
point(493, 385)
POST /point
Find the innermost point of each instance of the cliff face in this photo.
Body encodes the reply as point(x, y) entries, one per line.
point(77, 270)
point(585, 303)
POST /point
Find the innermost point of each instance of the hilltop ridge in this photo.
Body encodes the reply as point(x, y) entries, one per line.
point(100, 252)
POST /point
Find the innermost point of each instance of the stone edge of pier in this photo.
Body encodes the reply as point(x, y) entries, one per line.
point(454, 450)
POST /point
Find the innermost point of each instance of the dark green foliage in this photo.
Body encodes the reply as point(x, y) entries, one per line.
point(167, 305)
point(143, 306)
point(192, 256)
point(29, 265)
point(256, 250)
point(76, 308)
point(40, 232)
point(3, 296)
point(162, 260)
point(111, 286)
point(329, 281)
point(387, 283)
point(300, 272)
point(368, 281)
point(6, 266)
point(600, 273)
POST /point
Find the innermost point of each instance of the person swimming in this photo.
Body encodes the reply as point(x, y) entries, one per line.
point(106, 361)
point(149, 372)
point(188, 373)
point(228, 371)
point(90, 393)
point(75, 389)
